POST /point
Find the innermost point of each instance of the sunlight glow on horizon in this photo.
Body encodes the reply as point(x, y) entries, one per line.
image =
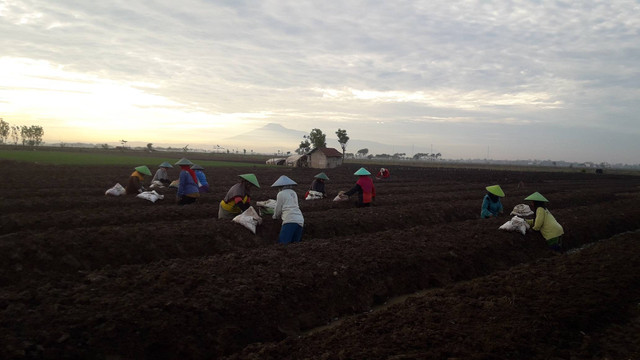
point(78, 107)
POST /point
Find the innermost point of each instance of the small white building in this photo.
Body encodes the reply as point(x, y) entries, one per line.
point(324, 158)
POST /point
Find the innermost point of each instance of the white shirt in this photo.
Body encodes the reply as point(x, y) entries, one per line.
point(287, 208)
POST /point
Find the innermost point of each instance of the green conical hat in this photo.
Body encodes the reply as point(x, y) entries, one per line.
point(165, 165)
point(183, 161)
point(362, 171)
point(284, 181)
point(495, 190)
point(250, 178)
point(322, 176)
point(536, 196)
point(196, 167)
point(143, 169)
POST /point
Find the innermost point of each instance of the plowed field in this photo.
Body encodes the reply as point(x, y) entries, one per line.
point(416, 276)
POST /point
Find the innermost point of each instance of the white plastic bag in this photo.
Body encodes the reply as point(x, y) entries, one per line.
point(152, 196)
point(341, 197)
point(314, 195)
point(516, 224)
point(249, 219)
point(522, 210)
point(156, 185)
point(116, 190)
point(267, 203)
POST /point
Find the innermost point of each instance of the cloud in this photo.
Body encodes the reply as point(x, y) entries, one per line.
point(561, 65)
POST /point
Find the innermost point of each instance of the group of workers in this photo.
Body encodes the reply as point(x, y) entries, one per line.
point(238, 199)
point(192, 181)
point(543, 221)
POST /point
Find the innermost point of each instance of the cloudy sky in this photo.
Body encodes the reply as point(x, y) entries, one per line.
point(555, 80)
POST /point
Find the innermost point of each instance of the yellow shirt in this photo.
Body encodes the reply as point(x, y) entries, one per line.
point(546, 224)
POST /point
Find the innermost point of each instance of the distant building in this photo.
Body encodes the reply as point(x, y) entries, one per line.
point(324, 158)
point(276, 161)
point(297, 161)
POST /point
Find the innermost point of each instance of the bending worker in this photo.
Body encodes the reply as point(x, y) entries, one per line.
point(162, 175)
point(364, 187)
point(134, 187)
point(203, 185)
point(546, 223)
point(238, 198)
point(491, 205)
point(288, 210)
point(188, 191)
point(318, 184)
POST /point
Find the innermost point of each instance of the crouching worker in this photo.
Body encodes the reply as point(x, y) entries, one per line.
point(188, 191)
point(203, 184)
point(238, 198)
point(364, 187)
point(544, 222)
point(317, 184)
point(491, 204)
point(134, 187)
point(288, 210)
point(383, 173)
point(161, 174)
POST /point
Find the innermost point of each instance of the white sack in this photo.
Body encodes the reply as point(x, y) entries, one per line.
point(152, 196)
point(314, 195)
point(516, 224)
point(156, 185)
point(522, 210)
point(341, 197)
point(249, 219)
point(116, 190)
point(267, 203)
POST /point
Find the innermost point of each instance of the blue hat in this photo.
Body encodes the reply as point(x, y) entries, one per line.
point(283, 181)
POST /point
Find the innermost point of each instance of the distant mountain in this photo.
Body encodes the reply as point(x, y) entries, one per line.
point(273, 137)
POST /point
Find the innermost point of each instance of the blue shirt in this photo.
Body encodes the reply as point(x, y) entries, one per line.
point(201, 177)
point(490, 208)
point(187, 185)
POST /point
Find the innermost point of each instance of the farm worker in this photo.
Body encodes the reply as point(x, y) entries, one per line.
point(188, 191)
point(383, 173)
point(288, 210)
point(238, 198)
point(491, 205)
point(135, 180)
point(162, 175)
point(544, 222)
point(203, 185)
point(364, 187)
point(318, 184)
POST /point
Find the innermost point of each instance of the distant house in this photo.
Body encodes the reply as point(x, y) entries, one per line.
point(297, 161)
point(324, 158)
point(276, 161)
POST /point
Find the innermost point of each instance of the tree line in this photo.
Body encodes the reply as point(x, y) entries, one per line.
point(28, 135)
point(317, 139)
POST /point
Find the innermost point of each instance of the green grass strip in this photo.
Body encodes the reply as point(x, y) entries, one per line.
point(100, 158)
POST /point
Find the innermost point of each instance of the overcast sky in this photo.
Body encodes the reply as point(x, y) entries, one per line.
point(555, 80)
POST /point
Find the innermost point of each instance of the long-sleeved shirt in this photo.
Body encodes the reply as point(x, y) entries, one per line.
point(318, 185)
point(546, 224)
point(135, 183)
point(201, 177)
point(187, 187)
point(365, 189)
point(490, 208)
point(287, 208)
point(236, 194)
point(161, 175)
